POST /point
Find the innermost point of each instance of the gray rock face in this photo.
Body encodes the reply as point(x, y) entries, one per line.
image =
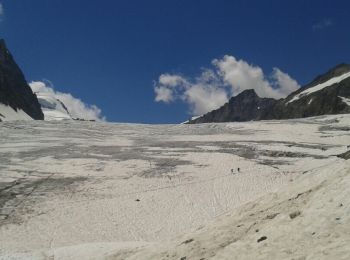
point(14, 90)
point(248, 106)
point(245, 106)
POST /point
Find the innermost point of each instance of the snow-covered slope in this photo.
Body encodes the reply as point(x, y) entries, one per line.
point(52, 107)
point(345, 100)
point(192, 118)
point(58, 105)
point(85, 190)
point(7, 113)
point(319, 87)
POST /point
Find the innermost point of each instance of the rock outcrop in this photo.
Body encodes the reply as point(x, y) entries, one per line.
point(15, 94)
point(326, 94)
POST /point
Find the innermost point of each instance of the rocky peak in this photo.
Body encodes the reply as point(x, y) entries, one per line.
point(246, 94)
point(14, 90)
point(334, 72)
point(314, 99)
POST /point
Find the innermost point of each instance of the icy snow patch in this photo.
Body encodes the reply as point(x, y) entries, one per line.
point(345, 100)
point(192, 118)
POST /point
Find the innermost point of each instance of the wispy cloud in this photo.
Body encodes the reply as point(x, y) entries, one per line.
point(227, 77)
point(325, 23)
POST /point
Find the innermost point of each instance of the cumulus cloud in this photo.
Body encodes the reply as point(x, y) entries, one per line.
point(284, 84)
point(204, 98)
point(167, 87)
point(228, 77)
point(241, 75)
point(75, 107)
point(203, 94)
point(164, 94)
point(172, 80)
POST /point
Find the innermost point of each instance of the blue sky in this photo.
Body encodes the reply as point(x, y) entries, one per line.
point(112, 53)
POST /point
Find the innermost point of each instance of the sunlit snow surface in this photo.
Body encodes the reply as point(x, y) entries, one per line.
point(52, 108)
point(321, 86)
point(65, 183)
point(7, 113)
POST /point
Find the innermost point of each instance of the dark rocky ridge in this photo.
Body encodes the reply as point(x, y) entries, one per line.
point(244, 107)
point(14, 89)
point(248, 106)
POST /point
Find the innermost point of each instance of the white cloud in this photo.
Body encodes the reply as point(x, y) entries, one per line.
point(172, 80)
point(76, 107)
point(202, 94)
point(204, 98)
point(228, 77)
point(283, 82)
point(241, 76)
point(164, 94)
point(167, 87)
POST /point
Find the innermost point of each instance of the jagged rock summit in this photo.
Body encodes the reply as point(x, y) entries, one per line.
point(17, 101)
point(245, 106)
point(328, 93)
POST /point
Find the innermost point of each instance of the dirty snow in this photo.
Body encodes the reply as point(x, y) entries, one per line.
point(85, 190)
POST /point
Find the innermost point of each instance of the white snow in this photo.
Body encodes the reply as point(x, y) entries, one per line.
point(318, 87)
point(52, 108)
point(192, 118)
point(86, 190)
point(345, 100)
point(7, 113)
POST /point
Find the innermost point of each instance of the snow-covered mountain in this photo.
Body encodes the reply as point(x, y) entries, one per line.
point(327, 94)
point(59, 106)
point(22, 101)
point(53, 108)
point(17, 101)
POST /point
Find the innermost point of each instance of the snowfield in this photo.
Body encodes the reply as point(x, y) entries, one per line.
point(253, 190)
point(7, 113)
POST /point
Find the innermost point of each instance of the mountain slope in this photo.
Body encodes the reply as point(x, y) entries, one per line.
point(53, 108)
point(327, 94)
point(245, 106)
point(17, 100)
